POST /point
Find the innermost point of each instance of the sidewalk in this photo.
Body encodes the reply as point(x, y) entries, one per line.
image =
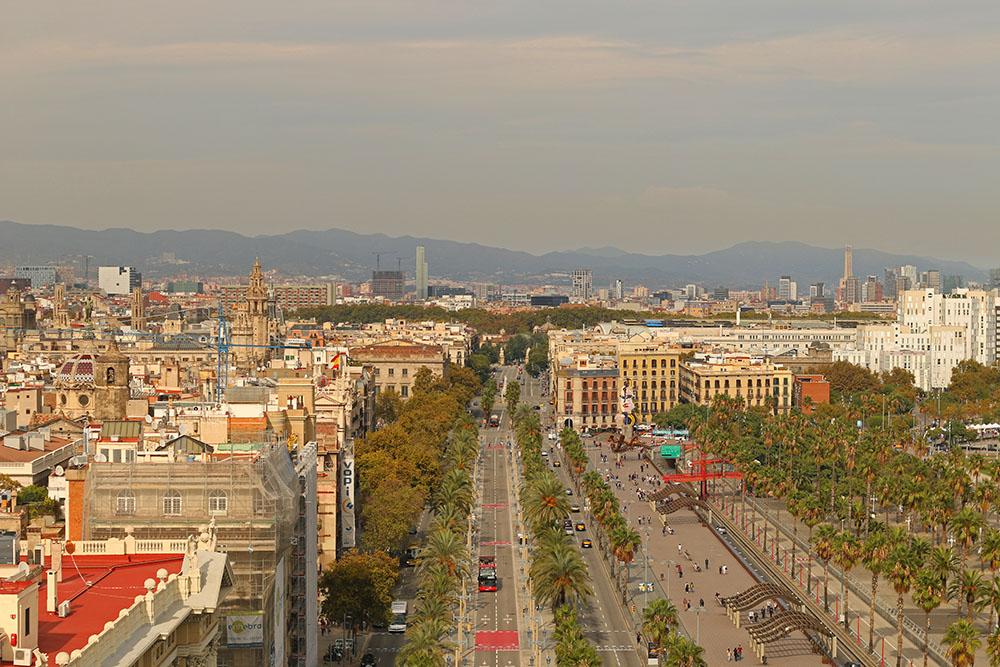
point(780, 522)
point(710, 628)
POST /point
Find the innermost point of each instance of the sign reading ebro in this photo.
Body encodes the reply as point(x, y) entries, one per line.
point(245, 630)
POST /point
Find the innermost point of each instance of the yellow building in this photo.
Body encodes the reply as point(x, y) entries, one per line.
point(651, 369)
point(758, 383)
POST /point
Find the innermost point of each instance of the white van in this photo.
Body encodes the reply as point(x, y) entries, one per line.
point(398, 623)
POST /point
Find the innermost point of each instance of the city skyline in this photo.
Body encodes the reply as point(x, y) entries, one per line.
point(662, 128)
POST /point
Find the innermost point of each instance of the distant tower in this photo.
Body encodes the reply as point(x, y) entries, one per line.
point(421, 274)
point(111, 389)
point(252, 325)
point(848, 262)
point(60, 316)
point(138, 310)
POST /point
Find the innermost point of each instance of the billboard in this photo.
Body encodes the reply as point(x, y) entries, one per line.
point(245, 630)
point(347, 527)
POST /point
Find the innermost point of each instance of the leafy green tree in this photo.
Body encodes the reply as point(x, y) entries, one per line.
point(559, 575)
point(682, 415)
point(388, 405)
point(359, 585)
point(32, 494)
point(683, 652)
point(480, 363)
point(387, 514)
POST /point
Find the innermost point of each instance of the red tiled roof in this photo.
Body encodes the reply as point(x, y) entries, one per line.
point(114, 583)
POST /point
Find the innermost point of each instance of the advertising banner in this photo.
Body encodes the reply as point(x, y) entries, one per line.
point(347, 523)
point(245, 630)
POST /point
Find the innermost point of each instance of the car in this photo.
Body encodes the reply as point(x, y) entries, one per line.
point(569, 491)
point(545, 452)
point(368, 660)
point(574, 508)
point(586, 434)
point(553, 435)
point(556, 463)
point(580, 526)
point(586, 544)
point(536, 407)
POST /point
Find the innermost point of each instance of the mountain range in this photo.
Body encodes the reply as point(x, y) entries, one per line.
point(351, 256)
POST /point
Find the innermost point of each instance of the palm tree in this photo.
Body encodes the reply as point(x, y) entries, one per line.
point(444, 548)
point(424, 646)
point(969, 586)
point(928, 594)
point(624, 542)
point(989, 550)
point(965, 528)
point(846, 553)
point(962, 640)
point(658, 618)
point(945, 563)
point(544, 501)
point(903, 565)
point(993, 647)
point(874, 553)
point(991, 598)
point(822, 541)
point(559, 575)
point(682, 652)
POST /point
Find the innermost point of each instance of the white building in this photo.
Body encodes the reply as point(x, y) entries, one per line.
point(118, 280)
point(583, 284)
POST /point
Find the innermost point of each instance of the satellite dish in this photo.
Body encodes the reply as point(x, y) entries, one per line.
point(149, 419)
point(100, 458)
point(58, 471)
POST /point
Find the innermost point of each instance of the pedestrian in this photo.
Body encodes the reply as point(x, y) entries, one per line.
point(701, 602)
point(739, 648)
point(729, 655)
point(680, 548)
point(720, 569)
point(706, 563)
point(638, 639)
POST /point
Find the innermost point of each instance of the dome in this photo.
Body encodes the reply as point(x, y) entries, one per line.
point(77, 369)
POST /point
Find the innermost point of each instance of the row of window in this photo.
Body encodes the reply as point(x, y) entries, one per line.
point(172, 504)
point(725, 385)
point(652, 364)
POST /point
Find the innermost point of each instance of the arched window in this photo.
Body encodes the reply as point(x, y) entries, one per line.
point(109, 376)
point(172, 503)
point(218, 502)
point(125, 503)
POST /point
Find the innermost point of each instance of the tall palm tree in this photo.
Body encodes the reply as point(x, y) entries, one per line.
point(823, 541)
point(962, 639)
point(682, 652)
point(846, 553)
point(991, 598)
point(544, 500)
point(993, 647)
point(928, 594)
point(559, 575)
point(965, 528)
point(874, 554)
point(903, 565)
point(989, 550)
point(658, 618)
point(969, 587)
point(446, 549)
point(424, 646)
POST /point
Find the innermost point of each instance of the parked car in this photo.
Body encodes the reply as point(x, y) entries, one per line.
point(368, 660)
point(574, 508)
point(569, 491)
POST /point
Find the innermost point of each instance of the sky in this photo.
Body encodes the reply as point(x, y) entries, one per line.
point(661, 126)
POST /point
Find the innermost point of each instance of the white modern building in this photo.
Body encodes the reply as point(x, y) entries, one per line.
point(118, 280)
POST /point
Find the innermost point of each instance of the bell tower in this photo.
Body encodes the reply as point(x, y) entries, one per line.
point(111, 389)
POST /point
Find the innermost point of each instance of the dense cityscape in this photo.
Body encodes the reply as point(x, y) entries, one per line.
point(376, 333)
point(393, 470)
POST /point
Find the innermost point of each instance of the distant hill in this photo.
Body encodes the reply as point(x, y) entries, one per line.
point(337, 252)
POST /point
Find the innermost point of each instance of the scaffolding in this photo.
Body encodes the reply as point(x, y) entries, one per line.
point(252, 497)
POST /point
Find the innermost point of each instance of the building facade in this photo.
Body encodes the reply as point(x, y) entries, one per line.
point(652, 371)
point(118, 280)
point(756, 382)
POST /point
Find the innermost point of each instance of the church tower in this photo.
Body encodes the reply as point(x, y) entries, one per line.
point(138, 310)
point(111, 390)
point(251, 331)
point(60, 316)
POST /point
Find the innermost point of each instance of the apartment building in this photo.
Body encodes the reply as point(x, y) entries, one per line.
point(651, 370)
point(586, 391)
point(287, 297)
point(757, 382)
point(395, 363)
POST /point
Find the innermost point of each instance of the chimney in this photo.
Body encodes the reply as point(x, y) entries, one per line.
point(51, 594)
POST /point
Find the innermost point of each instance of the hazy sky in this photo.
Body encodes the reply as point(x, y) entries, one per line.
point(659, 126)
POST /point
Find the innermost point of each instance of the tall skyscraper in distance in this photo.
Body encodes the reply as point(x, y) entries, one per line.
point(617, 290)
point(848, 262)
point(583, 284)
point(421, 274)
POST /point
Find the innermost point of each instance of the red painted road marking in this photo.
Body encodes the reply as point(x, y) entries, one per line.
point(500, 640)
point(494, 506)
point(495, 544)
